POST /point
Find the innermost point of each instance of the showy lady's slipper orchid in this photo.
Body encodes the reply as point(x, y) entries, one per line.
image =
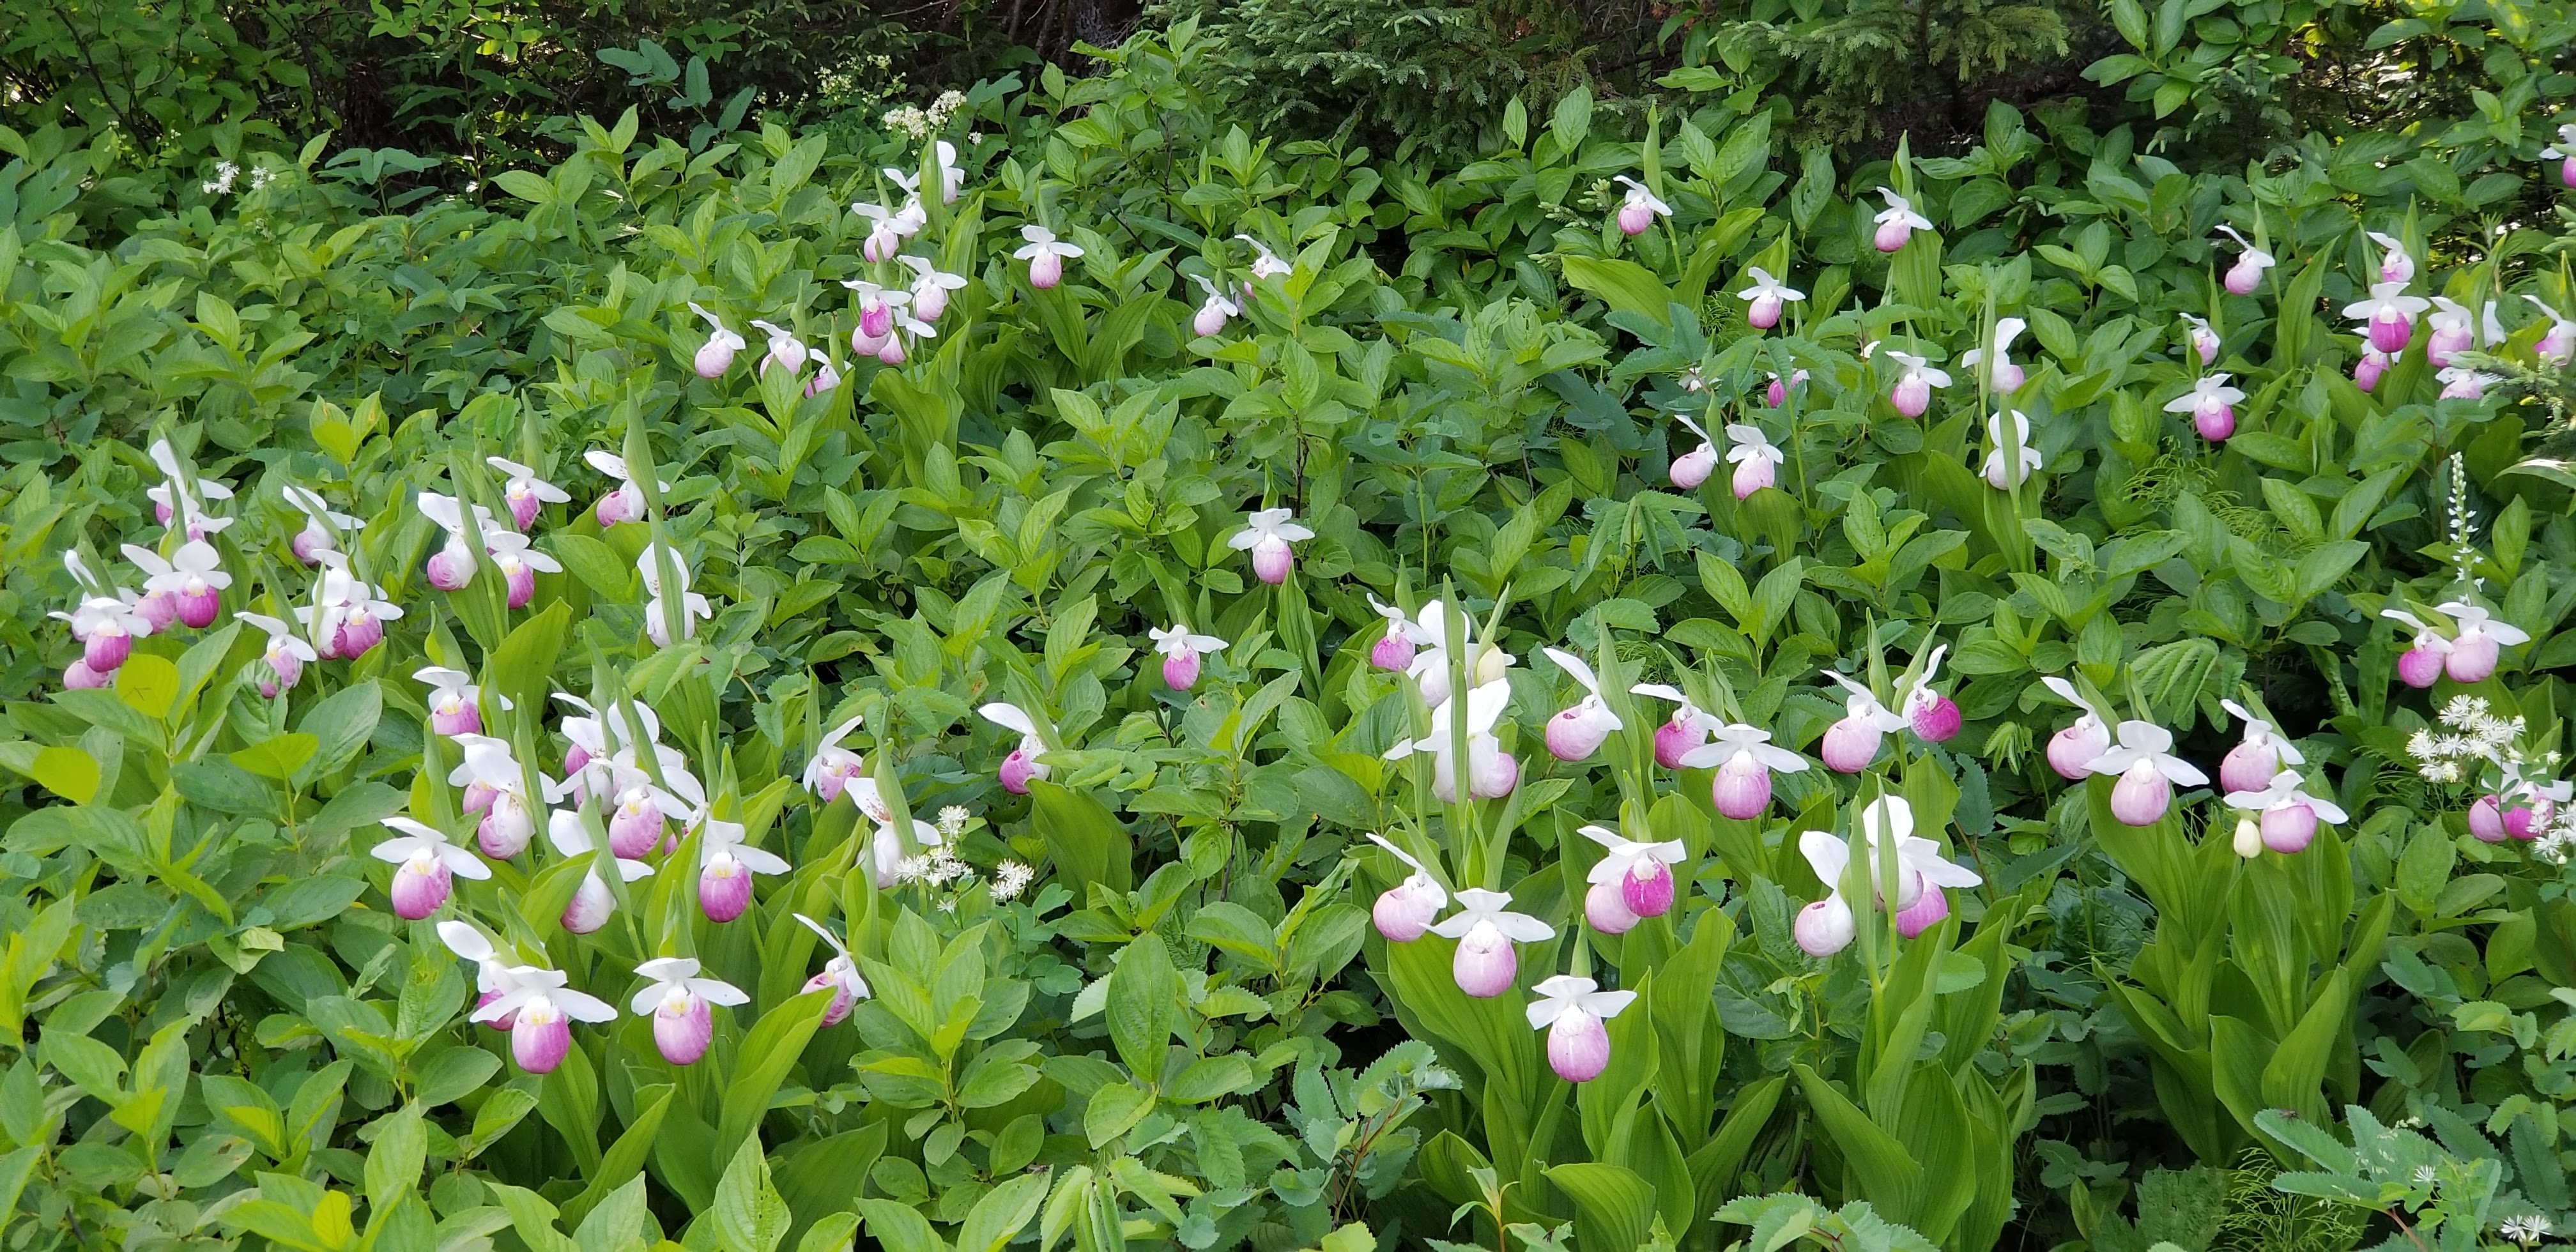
point(2395, 266)
point(2370, 365)
point(693, 606)
point(677, 999)
point(1405, 910)
point(1850, 744)
point(496, 787)
point(1022, 765)
point(1045, 254)
point(2072, 750)
point(454, 700)
point(1212, 314)
point(1998, 476)
point(1755, 458)
point(2518, 808)
point(2421, 665)
point(2565, 154)
point(826, 375)
point(1265, 263)
point(1825, 926)
point(2250, 765)
point(1692, 468)
point(877, 306)
point(1487, 964)
point(104, 622)
point(885, 847)
point(347, 617)
point(1491, 772)
point(840, 976)
point(952, 179)
point(322, 527)
point(1766, 296)
point(2005, 377)
point(525, 493)
point(2391, 315)
point(2147, 769)
point(1638, 876)
point(2212, 405)
point(193, 579)
point(173, 499)
point(1684, 732)
point(1934, 717)
point(1571, 1011)
point(2477, 640)
point(1777, 393)
point(2288, 816)
point(2462, 383)
point(885, 233)
point(2453, 330)
point(2247, 274)
point(2559, 345)
point(541, 1010)
point(1921, 871)
point(1181, 651)
point(1486, 661)
point(1692, 380)
point(625, 501)
point(834, 766)
point(715, 356)
point(1897, 222)
point(1912, 393)
point(1267, 534)
point(518, 563)
point(590, 766)
point(2204, 341)
point(425, 867)
point(493, 978)
point(906, 328)
point(1575, 733)
point(786, 351)
point(286, 654)
point(592, 903)
point(1744, 758)
point(1394, 650)
point(1640, 209)
point(451, 568)
point(640, 816)
point(930, 287)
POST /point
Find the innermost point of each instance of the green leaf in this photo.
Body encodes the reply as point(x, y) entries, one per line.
point(762, 1062)
point(1625, 286)
point(1614, 1207)
point(898, 1227)
point(1113, 1111)
point(1142, 991)
point(1002, 1214)
point(277, 756)
point(342, 724)
point(1083, 836)
point(749, 1215)
point(525, 185)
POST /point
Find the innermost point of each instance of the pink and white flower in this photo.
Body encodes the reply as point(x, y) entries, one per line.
point(592, 903)
point(1851, 744)
point(692, 606)
point(1486, 963)
point(930, 287)
point(1640, 208)
point(1641, 873)
point(1491, 772)
point(886, 853)
point(1405, 910)
point(2212, 405)
point(2250, 765)
point(1022, 766)
point(2564, 152)
point(786, 351)
point(1897, 222)
point(541, 1010)
point(1181, 651)
point(2147, 770)
point(885, 231)
point(625, 501)
point(1776, 393)
point(496, 787)
point(178, 499)
point(2073, 749)
point(2462, 383)
point(2391, 314)
point(1934, 717)
point(451, 568)
point(1045, 254)
point(1394, 650)
point(493, 978)
point(834, 766)
point(1267, 534)
point(2453, 331)
point(1998, 475)
point(1692, 468)
point(2477, 640)
point(1922, 872)
point(1744, 758)
point(1577, 732)
point(193, 578)
point(286, 654)
point(2204, 341)
point(1756, 459)
point(2395, 266)
point(715, 356)
point(1766, 297)
point(840, 976)
point(524, 493)
point(1681, 734)
point(322, 527)
point(2247, 274)
point(677, 999)
point(877, 308)
point(2004, 377)
point(1265, 263)
point(425, 865)
point(2557, 346)
point(518, 564)
point(347, 616)
point(1214, 311)
point(1827, 926)
point(454, 701)
point(1571, 1010)
point(106, 622)
point(1486, 661)
point(2422, 663)
point(2289, 815)
point(2372, 363)
point(1912, 393)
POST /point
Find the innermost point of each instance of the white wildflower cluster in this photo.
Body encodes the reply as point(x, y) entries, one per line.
point(2473, 736)
point(2526, 1230)
point(227, 174)
point(1010, 878)
point(2464, 521)
point(936, 867)
point(952, 820)
point(918, 123)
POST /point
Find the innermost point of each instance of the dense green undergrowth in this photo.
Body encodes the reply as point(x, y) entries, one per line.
point(2126, 806)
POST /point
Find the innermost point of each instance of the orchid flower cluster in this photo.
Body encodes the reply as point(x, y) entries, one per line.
point(2517, 800)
